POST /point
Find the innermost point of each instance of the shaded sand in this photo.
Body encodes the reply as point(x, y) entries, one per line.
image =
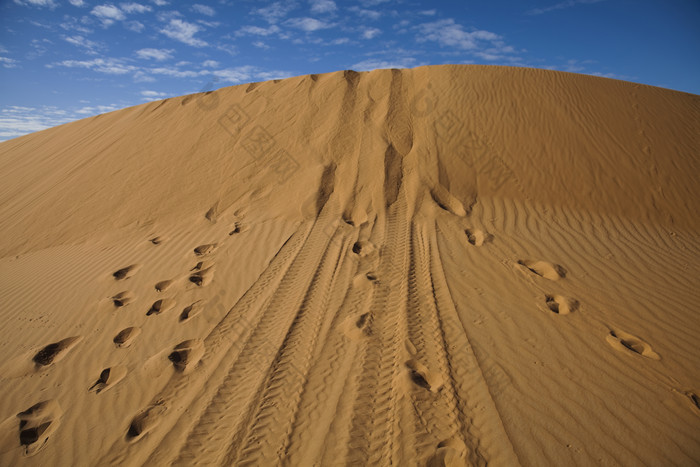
point(453, 265)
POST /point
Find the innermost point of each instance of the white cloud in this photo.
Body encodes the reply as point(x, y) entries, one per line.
point(447, 33)
point(80, 41)
point(276, 11)
point(155, 54)
point(260, 45)
point(235, 75)
point(184, 32)
point(111, 66)
point(8, 62)
point(432, 12)
point(175, 73)
point(17, 121)
point(135, 8)
point(160, 2)
point(370, 33)
point(203, 9)
point(136, 26)
point(108, 14)
point(153, 94)
point(373, 64)
point(370, 14)
point(323, 6)
point(308, 24)
point(76, 2)
point(258, 31)
point(210, 64)
point(560, 6)
point(39, 3)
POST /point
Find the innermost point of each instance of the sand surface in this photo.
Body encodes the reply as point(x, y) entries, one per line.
point(450, 265)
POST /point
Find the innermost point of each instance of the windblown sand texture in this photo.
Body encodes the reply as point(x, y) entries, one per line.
point(450, 265)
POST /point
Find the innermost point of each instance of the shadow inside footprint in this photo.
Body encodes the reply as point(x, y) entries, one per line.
point(36, 424)
point(477, 237)
point(122, 299)
point(561, 305)
point(56, 351)
point(550, 271)
point(125, 273)
point(161, 306)
point(623, 341)
point(126, 336)
point(423, 377)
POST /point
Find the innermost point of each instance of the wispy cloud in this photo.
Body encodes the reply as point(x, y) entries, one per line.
point(112, 66)
point(37, 3)
point(370, 14)
point(560, 6)
point(135, 8)
point(370, 33)
point(108, 14)
point(258, 31)
point(203, 9)
point(80, 41)
point(184, 32)
point(275, 12)
point(78, 3)
point(448, 33)
point(373, 64)
point(155, 54)
point(323, 6)
point(307, 24)
point(8, 62)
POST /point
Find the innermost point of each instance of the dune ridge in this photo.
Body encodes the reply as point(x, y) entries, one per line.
point(449, 265)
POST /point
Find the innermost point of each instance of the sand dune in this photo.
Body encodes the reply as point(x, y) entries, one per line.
point(450, 265)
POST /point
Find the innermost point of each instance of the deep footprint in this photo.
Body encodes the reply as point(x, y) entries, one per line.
point(108, 378)
point(144, 422)
point(202, 277)
point(161, 306)
point(422, 376)
point(122, 299)
point(191, 311)
point(561, 305)
point(544, 269)
point(36, 424)
point(126, 336)
point(187, 354)
point(477, 237)
point(125, 273)
point(52, 353)
point(162, 286)
point(623, 342)
point(202, 250)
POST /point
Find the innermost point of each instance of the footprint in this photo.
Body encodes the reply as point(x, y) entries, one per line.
point(126, 337)
point(202, 277)
point(187, 354)
point(145, 421)
point(156, 240)
point(623, 341)
point(236, 229)
point(52, 353)
point(356, 326)
point(191, 311)
point(125, 273)
point(450, 452)
point(108, 378)
point(36, 424)
point(202, 250)
point(161, 306)
point(122, 299)
point(560, 304)
point(477, 237)
point(694, 399)
point(363, 248)
point(544, 269)
point(213, 213)
point(424, 377)
point(162, 286)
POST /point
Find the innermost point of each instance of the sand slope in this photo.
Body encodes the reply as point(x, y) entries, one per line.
point(453, 265)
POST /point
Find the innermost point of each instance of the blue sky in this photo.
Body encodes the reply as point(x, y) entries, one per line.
point(62, 60)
